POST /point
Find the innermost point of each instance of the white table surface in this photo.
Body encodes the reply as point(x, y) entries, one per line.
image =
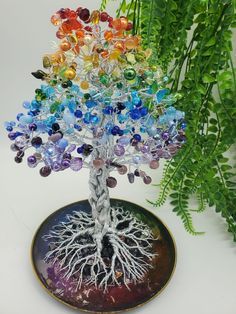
point(205, 278)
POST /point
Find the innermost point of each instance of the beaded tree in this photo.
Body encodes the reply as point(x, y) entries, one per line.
point(102, 107)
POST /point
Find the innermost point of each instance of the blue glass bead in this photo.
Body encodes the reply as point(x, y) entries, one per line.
point(50, 132)
point(75, 89)
point(78, 114)
point(134, 94)
point(115, 130)
point(41, 126)
point(129, 105)
point(108, 110)
point(120, 132)
point(90, 103)
point(161, 94)
point(137, 102)
point(72, 106)
point(19, 115)
point(143, 129)
point(122, 118)
point(152, 131)
point(108, 127)
point(183, 125)
point(80, 150)
point(35, 104)
point(94, 119)
point(86, 118)
point(135, 114)
point(77, 127)
point(26, 104)
point(12, 123)
point(26, 119)
point(162, 120)
point(9, 128)
point(137, 137)
point(143, 111)
point(62, 143)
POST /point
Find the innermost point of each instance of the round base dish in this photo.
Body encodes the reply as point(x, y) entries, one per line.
point(115, 298)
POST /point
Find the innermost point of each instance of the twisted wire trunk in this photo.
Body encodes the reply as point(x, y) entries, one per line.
point(99, 198)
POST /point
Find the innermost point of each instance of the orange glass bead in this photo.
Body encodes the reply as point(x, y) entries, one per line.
point(56, 19)
point(80, 33)
point(95, 17)
point(123, 22)
point(84, 85)
point(104, 54)
point(116, 24)
point(75, 24)
point(130, 43)
point(119, 45)
point(108, 35)
point(65, 45)
point(119, 34)
point(66, 27)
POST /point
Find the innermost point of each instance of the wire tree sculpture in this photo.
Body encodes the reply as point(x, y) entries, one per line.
point(104, 107)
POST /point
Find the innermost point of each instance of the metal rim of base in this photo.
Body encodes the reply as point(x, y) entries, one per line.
point(110, 312)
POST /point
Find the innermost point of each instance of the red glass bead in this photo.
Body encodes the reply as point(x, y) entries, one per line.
point(110, 19)
point(88, 28)
point(63, 13)
point(72, 15)
point(129, 26)
point(75, 24)
point(84, 14)
point(104, 17)
point(78, 10)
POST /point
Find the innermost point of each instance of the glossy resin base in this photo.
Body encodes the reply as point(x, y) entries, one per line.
point(116, 298)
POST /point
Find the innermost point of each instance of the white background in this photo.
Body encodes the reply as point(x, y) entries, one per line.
point(205, 278)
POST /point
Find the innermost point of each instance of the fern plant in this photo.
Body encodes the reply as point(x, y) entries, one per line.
point(201, 70)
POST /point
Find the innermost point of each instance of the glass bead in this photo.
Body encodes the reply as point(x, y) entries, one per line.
point(111, 182)
point(119, 150)
point(104, 16)
point(84, 14)
point(76, 163)
point(84, 85)
point(98, 163)
point(45, 171)
point(154, 164)
point(122, 170)
point(129, 74)
point(130, 177)
point(147, 180)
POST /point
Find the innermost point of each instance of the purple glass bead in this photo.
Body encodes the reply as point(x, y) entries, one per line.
point(56, 166)
point(45, 171)
point(65, 163)
point(32, 127)
point(67, 156)
point(130, 177)
point(165, 135)
point(119, 150)
point(76, 164)
point(111, 182)
point(145, 149)
point(71, 148)
point(147, 180)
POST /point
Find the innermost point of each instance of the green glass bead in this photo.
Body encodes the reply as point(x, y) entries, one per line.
point(119, 85)
point(87, 96)
point(54, 107)
point(104, 79)
point(129, 74)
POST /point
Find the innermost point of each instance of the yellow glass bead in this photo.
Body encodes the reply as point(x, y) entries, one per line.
point(74, 65)
point(88, 58)
point(56, 69)
point(84, 84)
point(70, 74)
point(95, 17)
point(46, 62)
point(114, 54)
point(72, 39)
